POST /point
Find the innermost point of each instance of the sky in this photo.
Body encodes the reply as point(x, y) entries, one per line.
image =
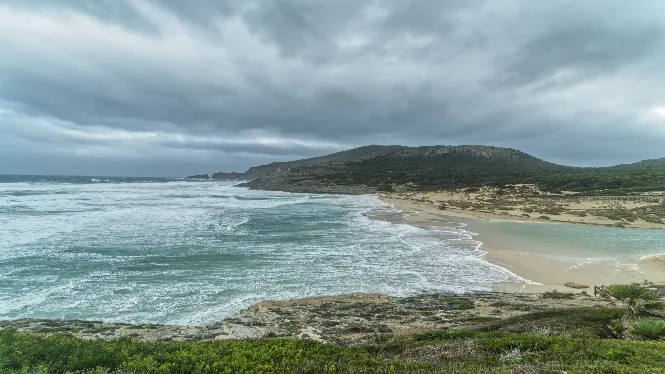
point(174, 88)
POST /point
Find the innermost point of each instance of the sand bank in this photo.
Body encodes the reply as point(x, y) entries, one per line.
point(531, 205)
point(546, 265)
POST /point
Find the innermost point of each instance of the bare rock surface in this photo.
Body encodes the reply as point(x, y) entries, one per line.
point(346, 319)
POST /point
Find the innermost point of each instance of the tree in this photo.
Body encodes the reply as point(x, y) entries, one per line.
point(638, 300)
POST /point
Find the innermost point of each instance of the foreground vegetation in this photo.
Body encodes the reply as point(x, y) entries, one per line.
point(571, 340)
point(591, 339)
point(443, 351)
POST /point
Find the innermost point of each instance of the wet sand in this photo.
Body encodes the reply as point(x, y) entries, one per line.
point(546, 266)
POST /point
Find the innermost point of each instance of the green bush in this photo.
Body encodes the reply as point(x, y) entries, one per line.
point(63, 354)
point(617, 327)
point(435, 352)
point(631, 293)
point(526, 353)
point(555, 294)
point(649, 328)
point(637, 299)
point(574, 322)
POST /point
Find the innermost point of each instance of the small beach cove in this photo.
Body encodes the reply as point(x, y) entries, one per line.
point(193, 252)
point(549, 254)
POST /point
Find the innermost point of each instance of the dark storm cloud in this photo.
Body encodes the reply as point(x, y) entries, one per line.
point(227, 84)
point(584, 49)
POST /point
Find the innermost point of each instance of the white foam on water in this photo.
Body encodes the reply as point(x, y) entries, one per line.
point(192, 252)
point(652, 256)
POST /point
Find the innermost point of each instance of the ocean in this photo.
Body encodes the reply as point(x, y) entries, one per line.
point(155, 250)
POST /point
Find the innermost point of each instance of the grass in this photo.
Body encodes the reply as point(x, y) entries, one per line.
point(649, 328)
point(572, 340)
point(573, 322)
point(466, 351)
point(62, 354)
point(438, 352)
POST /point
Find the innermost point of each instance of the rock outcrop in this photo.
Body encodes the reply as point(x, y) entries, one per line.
point(199, 176)
point(575, 285)
point(229, 176)
point(288, 184)
point(347, 319)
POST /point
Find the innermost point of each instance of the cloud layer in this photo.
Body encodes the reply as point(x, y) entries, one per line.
point(138, 87)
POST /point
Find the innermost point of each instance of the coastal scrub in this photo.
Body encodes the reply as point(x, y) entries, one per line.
point(436, 352)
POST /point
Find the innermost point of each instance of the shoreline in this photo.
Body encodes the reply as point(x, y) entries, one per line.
point(549, 266)
point(276, 318)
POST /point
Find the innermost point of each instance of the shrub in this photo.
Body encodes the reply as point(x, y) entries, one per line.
point(555, 294)
point(62, 354)
point(631, 293)
point(449, 351)
point(617, 327)
point(461, 303)
point(586, 321)
point(637, 298)
point(649, 328)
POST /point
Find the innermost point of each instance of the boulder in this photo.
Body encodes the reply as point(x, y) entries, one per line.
point(575, 285)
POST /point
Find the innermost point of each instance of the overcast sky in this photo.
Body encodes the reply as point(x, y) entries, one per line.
point(172, 88)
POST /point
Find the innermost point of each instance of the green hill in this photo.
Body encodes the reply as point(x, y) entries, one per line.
point(382, 168)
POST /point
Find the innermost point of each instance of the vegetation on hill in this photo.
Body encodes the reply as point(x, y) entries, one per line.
point(449, 167)
point(458, 170)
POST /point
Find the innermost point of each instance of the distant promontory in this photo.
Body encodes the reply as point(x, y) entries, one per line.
point(378, 168)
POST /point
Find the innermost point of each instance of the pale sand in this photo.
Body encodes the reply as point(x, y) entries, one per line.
point(567, 208)
point(535, 262)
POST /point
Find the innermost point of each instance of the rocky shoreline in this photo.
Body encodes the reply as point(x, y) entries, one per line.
point(346, 319)
point(306, 186)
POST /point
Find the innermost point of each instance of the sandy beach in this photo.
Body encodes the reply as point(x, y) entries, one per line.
point(533, 261)
point(528, 203)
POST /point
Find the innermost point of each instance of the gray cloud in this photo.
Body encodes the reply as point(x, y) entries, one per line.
point(226, 84)
point(583, 50)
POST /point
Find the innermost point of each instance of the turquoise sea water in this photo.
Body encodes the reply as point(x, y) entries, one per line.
point(181, 252)
point(567, 240)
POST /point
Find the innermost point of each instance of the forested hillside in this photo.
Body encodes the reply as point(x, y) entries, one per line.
point(462, 170)
point(384, 168)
